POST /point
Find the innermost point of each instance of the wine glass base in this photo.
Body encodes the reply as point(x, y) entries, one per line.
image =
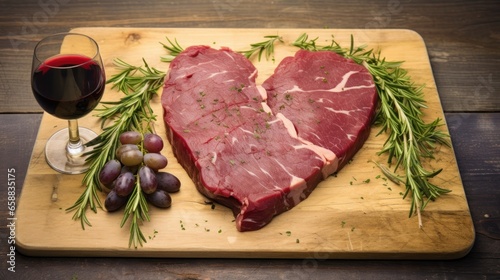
point(57, 156)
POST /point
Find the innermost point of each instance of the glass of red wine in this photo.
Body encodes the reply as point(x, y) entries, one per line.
point(67, 79)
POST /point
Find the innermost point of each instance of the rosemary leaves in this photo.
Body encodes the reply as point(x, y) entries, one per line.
point(410, 139)
point(132, 112)
point(266, 47)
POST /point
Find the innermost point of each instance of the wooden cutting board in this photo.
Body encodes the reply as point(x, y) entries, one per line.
point(356, 214)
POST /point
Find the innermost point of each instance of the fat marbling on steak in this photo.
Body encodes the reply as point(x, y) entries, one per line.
point(235, 149)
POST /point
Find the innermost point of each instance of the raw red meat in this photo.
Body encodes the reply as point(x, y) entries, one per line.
point(329, 100)
point(242, 155)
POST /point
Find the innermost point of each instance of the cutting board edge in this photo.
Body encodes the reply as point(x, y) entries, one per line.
point(139, 253)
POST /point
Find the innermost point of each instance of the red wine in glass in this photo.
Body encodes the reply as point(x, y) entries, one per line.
point(68, 86)
point(68, 80)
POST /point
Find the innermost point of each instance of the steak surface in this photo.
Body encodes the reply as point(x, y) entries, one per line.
point(329, 101)
point(258, 159)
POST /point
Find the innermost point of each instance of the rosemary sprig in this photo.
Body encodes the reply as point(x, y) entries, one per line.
point(410, 139)
point(264, 46)
point(138, 208)
point(131, 112)
point(173, 48)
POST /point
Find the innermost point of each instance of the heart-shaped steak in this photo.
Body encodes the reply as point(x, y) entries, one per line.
point(261, 150)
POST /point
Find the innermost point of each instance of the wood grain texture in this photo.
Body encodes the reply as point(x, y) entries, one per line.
point(345, 217)
point(482, 195)
point(462, 35)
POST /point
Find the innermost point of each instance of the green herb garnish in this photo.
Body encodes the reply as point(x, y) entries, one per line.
point(410, 139)
point(132, 112)
point(174, 49)
point(264, 46)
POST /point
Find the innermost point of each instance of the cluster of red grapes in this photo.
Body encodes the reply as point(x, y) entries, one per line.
point(133, 166)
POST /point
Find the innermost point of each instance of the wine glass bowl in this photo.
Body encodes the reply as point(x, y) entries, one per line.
point(68, 80)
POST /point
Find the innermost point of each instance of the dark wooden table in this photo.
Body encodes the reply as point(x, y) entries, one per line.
point(462, 37)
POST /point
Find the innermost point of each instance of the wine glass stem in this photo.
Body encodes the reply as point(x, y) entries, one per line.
point(75, 146)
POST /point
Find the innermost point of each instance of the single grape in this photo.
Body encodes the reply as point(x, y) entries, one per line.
point(168, 182)
point(110, 172)
point(130, 137)
point(114, 202)
point(147, 179)
point(155, 161)
point(153, 143)
point(131, 158)
point(125, 148)
point(124, 184)
point(159, 198)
